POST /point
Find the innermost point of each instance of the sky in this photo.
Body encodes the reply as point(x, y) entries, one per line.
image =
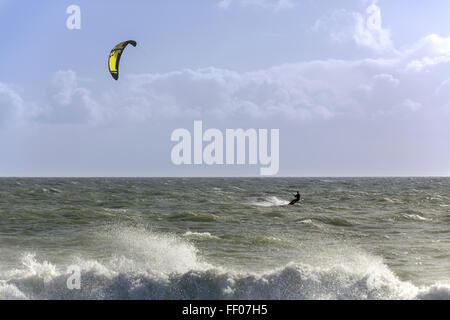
point(355, 87)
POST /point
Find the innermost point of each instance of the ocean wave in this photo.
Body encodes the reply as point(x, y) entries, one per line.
point(200, 235)
point(413, 215)
point(270, 202)
point(193, 216)
point(435, 292)
point(390, 200)
point(268, 240)
point(338, 222)
point(293, 281)
point(311, 223)
point(51, 190)
point(146, 251)
point(116, 210)
point(153, 265)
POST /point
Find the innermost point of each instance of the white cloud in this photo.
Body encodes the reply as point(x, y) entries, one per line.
point(11, 104)
point(303, 91)
point(411, 105)
point(387, 78)
point(67, 102)
point(429, 52)
point(444, 87)
point(320, 89)
point(365, 30)
point(268, 4)
point(369, 31)
point(224, 4)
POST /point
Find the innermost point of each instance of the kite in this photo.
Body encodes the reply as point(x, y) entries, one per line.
point(114, 57)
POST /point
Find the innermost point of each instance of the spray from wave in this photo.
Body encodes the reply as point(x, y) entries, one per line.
point(270, 202)
point(151, 265)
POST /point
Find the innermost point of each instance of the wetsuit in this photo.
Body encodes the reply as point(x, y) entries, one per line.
point(297, 198)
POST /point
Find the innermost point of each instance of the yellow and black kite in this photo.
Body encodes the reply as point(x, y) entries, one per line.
point(114, 57)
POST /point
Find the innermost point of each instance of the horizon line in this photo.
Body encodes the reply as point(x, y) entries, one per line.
point(213, 177)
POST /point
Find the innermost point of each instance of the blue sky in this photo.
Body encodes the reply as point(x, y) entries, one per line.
point(356, 87)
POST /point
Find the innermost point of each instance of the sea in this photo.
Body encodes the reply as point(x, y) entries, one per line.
point(225, 238)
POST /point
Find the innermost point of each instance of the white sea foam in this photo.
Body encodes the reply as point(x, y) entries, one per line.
point(163, 266)
point(435, 292)
point(271, 202)
point(200, 235)
point(293, 281)
point(415, 217)
point(154, 252)
point(10, 292)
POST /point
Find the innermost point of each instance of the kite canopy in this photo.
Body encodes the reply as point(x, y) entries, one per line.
point(114, 57)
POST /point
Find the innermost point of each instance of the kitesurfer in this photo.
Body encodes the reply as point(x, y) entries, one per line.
point(297, 198)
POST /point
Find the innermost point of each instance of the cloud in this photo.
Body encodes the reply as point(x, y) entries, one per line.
point(14, 109)
point(224, 4)
point(364, 29)
point(407, 83)
point(386, 78)
point(429, 52)
point(11, 104)
point(411, 105)
point(303, 91)
point(67, 102)
point(369, 31)
point(267, 4)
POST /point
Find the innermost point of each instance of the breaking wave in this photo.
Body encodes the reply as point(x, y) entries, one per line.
point(150, 265)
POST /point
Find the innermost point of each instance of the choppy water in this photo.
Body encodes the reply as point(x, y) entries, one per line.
point(167, 238)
